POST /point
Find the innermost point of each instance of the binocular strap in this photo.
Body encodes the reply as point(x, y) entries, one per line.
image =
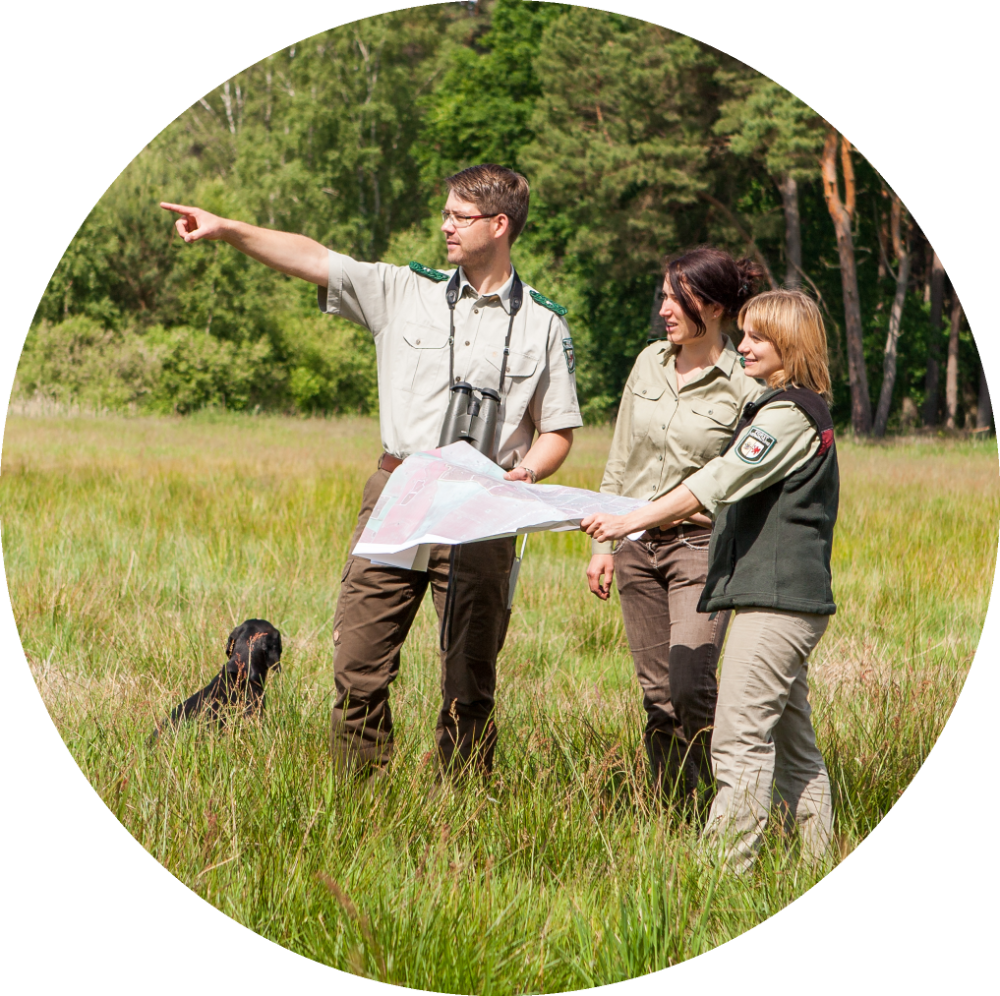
point(451, 296)
point(515, 569)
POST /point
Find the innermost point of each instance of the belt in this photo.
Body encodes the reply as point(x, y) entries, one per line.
point(675, 532)
point(388, 462)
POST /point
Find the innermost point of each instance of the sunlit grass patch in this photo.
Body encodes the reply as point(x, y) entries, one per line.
point(133, 546)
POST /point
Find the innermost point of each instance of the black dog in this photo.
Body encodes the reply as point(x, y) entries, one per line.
point(253, 649)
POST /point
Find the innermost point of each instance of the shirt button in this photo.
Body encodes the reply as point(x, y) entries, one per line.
point(418, 342)
point(643, 390)
point(660, 458)
point(663, 426)
point(467, 342)
point(475, 311)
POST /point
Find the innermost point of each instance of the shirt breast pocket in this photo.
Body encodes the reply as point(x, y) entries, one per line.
point(711, 425)
point(421, 363)
point(645, 398)
point(518, 364)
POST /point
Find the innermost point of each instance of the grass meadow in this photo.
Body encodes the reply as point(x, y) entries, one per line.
point(133, 546)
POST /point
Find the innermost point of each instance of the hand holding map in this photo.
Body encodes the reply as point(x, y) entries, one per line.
point(456, 495)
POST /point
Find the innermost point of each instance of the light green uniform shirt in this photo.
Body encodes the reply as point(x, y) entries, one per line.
point(407, 315)
point(780, 441)
point(662, 434)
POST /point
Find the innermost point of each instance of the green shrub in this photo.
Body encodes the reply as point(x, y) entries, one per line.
point(78, 361)
point(318, 364)
point(199, 371)
point(331, 364)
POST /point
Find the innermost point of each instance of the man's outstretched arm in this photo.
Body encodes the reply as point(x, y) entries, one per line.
point(296, 255)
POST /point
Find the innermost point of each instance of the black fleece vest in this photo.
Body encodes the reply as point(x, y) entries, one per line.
point(772, 549)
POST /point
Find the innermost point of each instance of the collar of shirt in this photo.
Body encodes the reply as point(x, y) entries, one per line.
point(503, 294)
point(727, 360)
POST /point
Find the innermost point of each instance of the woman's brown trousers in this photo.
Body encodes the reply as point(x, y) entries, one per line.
point(660, 578)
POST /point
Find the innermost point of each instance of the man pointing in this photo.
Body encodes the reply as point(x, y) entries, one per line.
point(431, 329)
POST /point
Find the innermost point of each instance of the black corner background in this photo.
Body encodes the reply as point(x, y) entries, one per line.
point(88, 88)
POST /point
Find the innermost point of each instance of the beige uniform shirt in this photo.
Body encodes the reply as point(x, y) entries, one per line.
point(780, 441)
point(662, 434)
point(408, 316)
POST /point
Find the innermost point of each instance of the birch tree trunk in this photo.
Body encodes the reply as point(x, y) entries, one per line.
point(931, 387)
point(793, 231)
point(984, 410)
point(951, 376)
point(901, 248)
point(842, 213)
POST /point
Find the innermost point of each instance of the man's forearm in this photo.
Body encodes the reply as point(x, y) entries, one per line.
point(296, 255)
point(548, 452)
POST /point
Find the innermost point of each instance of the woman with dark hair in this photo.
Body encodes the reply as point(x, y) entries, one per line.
point(679, 408)
point(775, 493)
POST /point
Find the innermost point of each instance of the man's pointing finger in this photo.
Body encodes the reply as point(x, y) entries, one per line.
point(179, 208)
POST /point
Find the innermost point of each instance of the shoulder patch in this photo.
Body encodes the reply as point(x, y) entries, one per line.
point(426, 271)
point(755, 445)
point(570, 353)
point(546, 302)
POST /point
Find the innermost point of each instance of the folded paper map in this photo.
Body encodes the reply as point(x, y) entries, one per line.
point(456, 495)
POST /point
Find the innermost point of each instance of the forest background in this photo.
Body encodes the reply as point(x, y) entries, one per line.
point(638, 142)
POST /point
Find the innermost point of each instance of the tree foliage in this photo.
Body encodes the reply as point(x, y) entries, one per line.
point(639, 142)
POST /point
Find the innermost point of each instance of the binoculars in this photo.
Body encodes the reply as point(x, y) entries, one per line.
point(471, 418)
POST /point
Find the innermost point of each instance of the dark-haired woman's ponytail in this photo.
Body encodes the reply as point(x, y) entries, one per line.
point(751, 275)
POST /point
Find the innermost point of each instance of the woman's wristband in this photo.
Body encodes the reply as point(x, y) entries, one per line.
point(530, 473)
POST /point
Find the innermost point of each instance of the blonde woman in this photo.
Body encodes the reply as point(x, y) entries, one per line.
point(774, 492)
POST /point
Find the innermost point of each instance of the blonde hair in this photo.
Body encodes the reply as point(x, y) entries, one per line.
point(791, 322)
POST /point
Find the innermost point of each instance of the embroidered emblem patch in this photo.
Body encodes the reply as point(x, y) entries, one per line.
point(570, 353)
point(755, 445)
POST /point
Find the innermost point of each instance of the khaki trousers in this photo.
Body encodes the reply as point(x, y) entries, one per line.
point(375, 609)
point(675, 649)
point(764, 749)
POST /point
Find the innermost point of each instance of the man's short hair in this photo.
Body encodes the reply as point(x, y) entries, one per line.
point(494, 190)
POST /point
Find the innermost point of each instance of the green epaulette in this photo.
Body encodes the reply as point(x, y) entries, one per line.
point(546, 302)
point(426, 271)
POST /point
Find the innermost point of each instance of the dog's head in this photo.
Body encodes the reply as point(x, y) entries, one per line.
point(254, 646)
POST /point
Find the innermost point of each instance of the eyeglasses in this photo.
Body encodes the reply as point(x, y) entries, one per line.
point(462, 220)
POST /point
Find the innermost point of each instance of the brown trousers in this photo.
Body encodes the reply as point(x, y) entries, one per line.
point(675, 648)
point(375, 609)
